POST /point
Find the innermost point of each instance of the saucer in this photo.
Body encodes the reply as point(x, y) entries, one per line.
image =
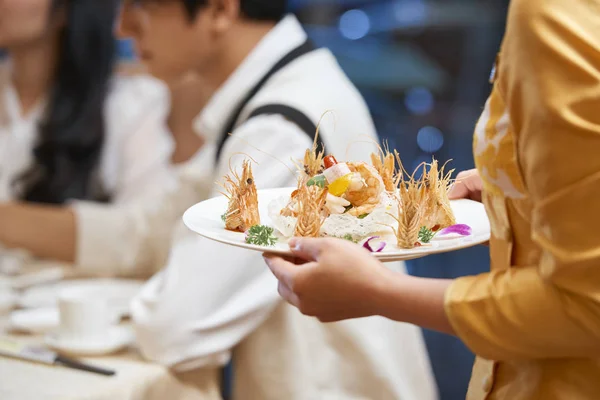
point(118, 337)
point(118, 292)
point(39, 320)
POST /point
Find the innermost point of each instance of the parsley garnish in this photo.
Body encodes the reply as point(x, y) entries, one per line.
point(426, 234)
point(347, 236)
point(261, 235)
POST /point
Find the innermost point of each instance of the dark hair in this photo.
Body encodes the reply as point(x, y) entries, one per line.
point(72, 131)
point(259, 10)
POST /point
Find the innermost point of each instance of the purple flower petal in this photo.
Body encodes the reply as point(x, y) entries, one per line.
point(378, 249)
point(459, 229)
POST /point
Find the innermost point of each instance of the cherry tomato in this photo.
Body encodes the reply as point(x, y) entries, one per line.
point(329, 161)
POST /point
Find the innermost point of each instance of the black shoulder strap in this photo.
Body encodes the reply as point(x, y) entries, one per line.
point(289, 113)
point(296, 53)
point(293, 115)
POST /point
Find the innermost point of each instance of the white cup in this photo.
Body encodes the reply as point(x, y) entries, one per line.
point(84, 316)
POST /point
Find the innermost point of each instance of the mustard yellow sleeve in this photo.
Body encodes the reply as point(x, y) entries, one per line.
point(550, 80)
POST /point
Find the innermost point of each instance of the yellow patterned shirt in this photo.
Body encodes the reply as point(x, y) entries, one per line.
point(534, 320)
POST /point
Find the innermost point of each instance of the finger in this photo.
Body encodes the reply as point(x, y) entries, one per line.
point(458, 188)
point(328, 319)
point(466, 186)
point(307, 248)
point(291, 259)
point(458, 191)
point(288, 295)
point(283, 270)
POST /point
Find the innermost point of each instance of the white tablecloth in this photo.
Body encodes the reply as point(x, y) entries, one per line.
point(135, 380)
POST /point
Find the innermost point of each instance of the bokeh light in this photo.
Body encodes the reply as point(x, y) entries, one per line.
point(354, 24)
point(419, 101)
point(410, 12)
point(430, 139)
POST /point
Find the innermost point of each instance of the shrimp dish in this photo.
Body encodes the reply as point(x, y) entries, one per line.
point(353, 200)
point(357, 200)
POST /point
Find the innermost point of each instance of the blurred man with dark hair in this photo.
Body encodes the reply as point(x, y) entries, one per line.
point(258, 10)
point(206, 36)
point(242, 67)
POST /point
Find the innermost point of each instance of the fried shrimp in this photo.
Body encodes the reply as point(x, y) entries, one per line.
point(311, 202)
point(412, 206)
point(439, 213)
point(368, 197)
point(242, 210)
point(385, 164)
point(312, 164)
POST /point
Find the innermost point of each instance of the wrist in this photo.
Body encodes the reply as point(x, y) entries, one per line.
point(393, 301)
point(417, 301)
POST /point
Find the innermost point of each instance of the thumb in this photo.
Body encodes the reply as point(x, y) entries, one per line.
point(466, 183)
point(307, 249)
point(458, 191)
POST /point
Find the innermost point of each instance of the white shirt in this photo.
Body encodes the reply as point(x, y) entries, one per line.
point(115, 238)
point(210, 296)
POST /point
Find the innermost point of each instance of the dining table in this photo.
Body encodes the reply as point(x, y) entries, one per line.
point(134, 378)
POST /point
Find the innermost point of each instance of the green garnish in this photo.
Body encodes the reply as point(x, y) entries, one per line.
point(261, 235)
point(363, 216)
point(348, 208)
point(426, 234)
point(347, 236)
point(317, 180)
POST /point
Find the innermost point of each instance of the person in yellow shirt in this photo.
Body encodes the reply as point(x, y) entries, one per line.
point(534, 319)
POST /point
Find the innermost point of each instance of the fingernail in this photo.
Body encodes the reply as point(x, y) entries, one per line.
point(294, 243)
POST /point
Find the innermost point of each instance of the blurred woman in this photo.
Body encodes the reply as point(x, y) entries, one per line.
point(84, 154)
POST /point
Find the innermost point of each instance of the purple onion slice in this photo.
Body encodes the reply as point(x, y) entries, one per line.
point(459, 229)
point(377, 247)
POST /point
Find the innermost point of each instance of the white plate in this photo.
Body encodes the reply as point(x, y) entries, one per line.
point(119, 292)
point(205, 219)
point(8, 299)
point(45, 275)
point(118, 337)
